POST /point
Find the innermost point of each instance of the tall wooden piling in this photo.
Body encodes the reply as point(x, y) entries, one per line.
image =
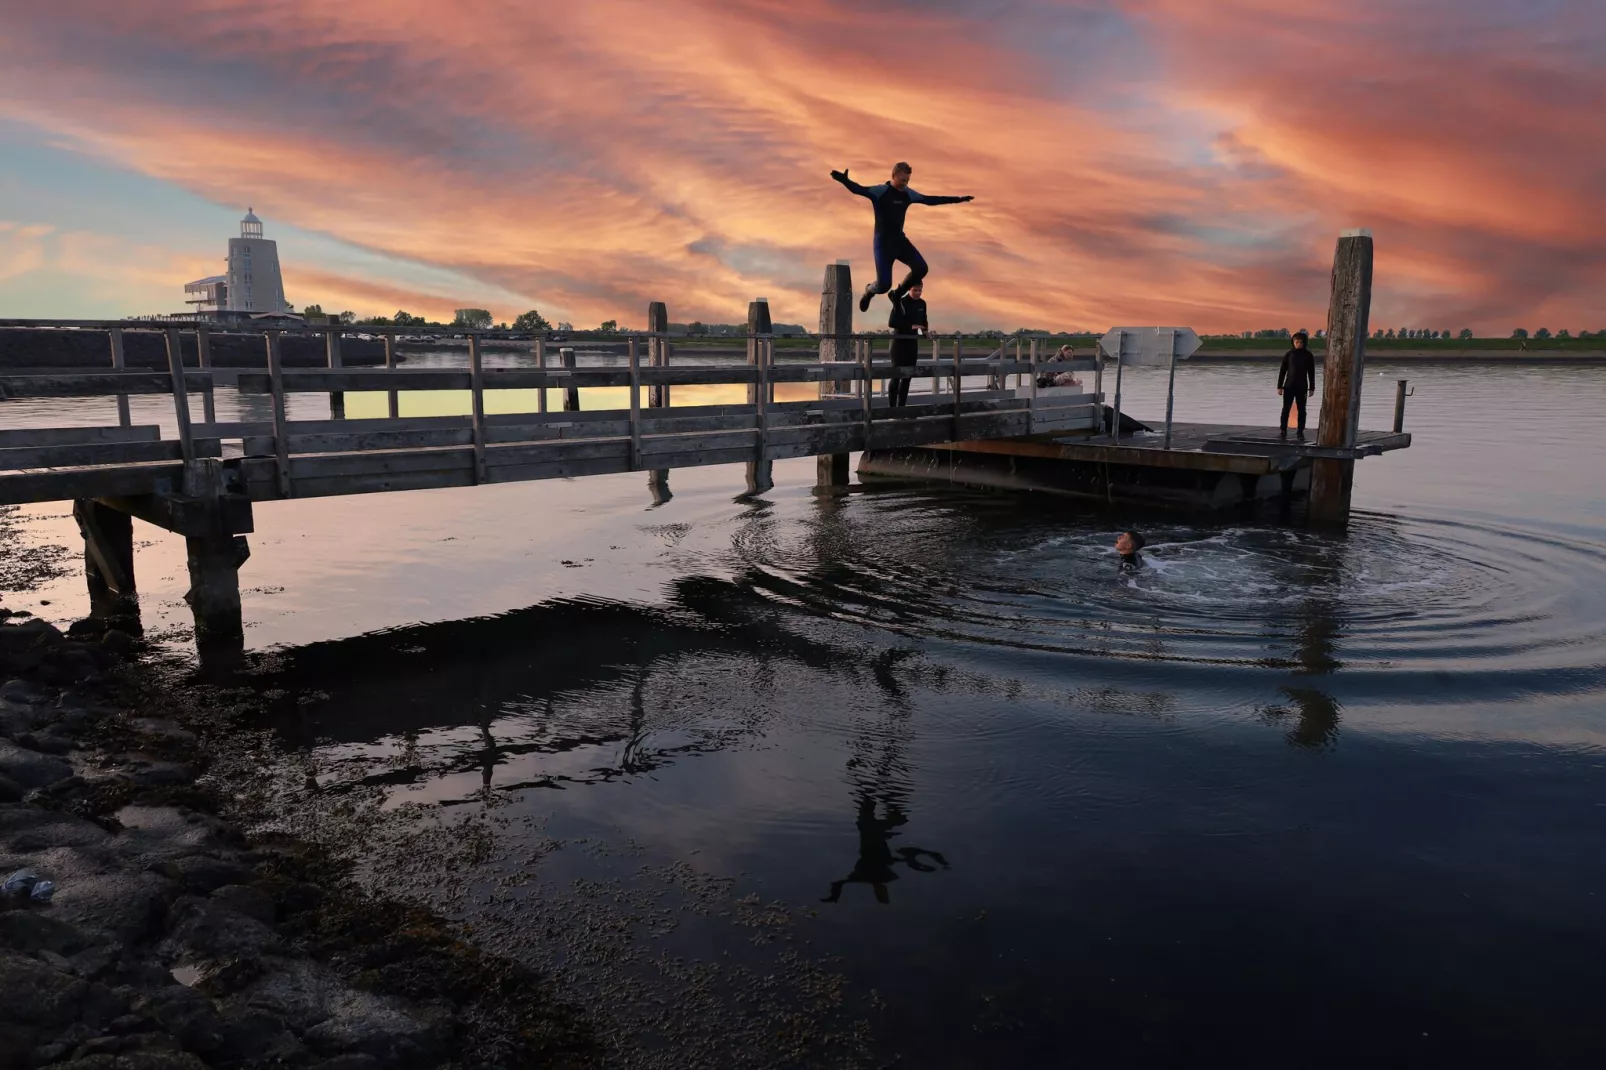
point(760, 470)
point(1348, 318)
point(836, 324)
point(658, 395)
point(394, 406)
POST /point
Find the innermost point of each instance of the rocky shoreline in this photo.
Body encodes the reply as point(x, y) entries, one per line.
point(175, 938)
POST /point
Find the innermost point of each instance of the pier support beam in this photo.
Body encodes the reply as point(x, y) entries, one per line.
point(1343, 369)
point(760, 470)
point(658, 396)
point(836, 323)
point(215, 557)
point(108, 557)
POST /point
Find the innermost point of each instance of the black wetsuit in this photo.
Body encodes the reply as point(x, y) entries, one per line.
point(1296, 380)
point(908, 323)
point(891, 205)
point(1131, 562)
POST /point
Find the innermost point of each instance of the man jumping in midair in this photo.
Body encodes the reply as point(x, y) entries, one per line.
point(892, 200)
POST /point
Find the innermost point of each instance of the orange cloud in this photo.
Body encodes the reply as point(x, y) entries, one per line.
point(1147, 160)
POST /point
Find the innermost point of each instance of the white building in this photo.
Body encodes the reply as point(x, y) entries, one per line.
point(253, 284)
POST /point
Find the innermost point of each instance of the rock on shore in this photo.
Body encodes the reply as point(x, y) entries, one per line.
point(172, 941)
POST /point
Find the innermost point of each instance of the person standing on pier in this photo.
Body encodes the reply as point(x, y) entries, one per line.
point(1296, 382)
point(892, 200)
point(909, 325)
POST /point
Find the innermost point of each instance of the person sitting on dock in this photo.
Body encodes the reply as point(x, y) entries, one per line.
point(1053, 378)
point(1127, 544)
point(892, 200)
point(909, 324)
point(1296, 382)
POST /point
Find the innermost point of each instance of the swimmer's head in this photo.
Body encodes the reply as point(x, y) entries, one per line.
point(900, 174)
point(1301, 339)
point(1129, 542)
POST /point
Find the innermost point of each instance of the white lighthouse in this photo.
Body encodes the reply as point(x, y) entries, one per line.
point(253, 284)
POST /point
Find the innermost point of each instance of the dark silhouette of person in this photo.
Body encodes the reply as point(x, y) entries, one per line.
point(908, 322)
point(892, 200)
point(1296, 381)
point(876, 855)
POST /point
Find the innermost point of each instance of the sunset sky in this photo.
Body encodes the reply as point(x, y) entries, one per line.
point(1133, 161)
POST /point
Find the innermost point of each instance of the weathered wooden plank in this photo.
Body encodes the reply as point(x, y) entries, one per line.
point(99, 453)
point(181, 394)
point(20, 488)
point(92, 384)
point(265, 445)
point(77, 436)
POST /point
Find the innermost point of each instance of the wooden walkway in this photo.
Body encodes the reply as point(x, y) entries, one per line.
point(203, 480)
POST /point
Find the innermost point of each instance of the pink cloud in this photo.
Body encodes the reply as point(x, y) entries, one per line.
point(596, 156)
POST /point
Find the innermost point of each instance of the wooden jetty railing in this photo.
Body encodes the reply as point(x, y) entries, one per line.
point(203, 479)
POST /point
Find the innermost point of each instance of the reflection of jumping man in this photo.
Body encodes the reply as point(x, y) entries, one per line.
point(876, 856)
point(892, 200)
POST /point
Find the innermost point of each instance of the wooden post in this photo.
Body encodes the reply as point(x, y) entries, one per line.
point(215, 557)
point(476, 379)
point(658, 395)
point(108, 555)
point(281, 441)
point(836, 324)
point(337, 398)
point(836, 314)
point(635, 404)
point(181, 397)
point(390, 365)
point(1348, 318)
point(1400, 394)
point(540, 362)
point(571, 394)
point(760, 470)
point(116, 333)
point(959, 354)
point(203, 357)
point(1031, 419)
point(867, 395)
point(658, 351)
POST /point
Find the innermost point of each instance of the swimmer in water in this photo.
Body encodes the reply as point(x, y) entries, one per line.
point(1127, 544)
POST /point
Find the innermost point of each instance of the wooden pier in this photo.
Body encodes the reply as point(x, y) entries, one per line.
point(983, 420)
point(204, 479)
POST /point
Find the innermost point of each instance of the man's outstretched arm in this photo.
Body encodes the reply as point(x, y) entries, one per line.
point(921, 198)
point(854, 187)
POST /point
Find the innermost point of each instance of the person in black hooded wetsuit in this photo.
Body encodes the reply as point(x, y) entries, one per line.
point(1296, 381)
point(909, 324)
point(892, 200)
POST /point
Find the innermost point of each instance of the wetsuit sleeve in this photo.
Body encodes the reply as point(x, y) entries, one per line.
point(854, 187)
point(921, 198)
point(919, 318)
point(1282, 373)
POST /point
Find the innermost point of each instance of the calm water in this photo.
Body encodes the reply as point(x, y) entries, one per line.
point(921, 758)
